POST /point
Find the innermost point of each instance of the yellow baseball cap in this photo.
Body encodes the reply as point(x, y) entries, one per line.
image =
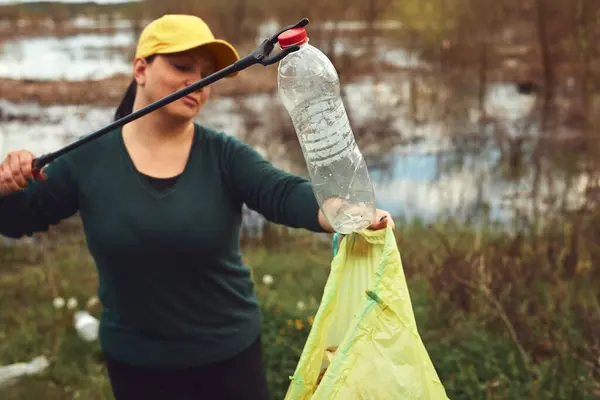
point(173, 33)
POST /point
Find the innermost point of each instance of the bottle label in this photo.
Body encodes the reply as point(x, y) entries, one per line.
point(324, 130)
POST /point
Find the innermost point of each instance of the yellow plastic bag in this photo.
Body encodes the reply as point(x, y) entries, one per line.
point(364, 336)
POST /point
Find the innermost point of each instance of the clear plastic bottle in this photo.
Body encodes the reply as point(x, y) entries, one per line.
point(309, 88)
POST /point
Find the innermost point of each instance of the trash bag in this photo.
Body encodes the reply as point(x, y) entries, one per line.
point(364, 343)
point(9, 374)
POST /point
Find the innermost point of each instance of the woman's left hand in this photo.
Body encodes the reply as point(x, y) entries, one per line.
point(382, 219)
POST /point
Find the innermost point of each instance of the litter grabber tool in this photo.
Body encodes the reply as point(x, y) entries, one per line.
point(261, 55)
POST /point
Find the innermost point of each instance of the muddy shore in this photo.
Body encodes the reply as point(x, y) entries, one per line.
point(108, 92)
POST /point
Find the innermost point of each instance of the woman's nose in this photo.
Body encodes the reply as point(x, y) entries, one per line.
point(192, 77)
point(188, 83)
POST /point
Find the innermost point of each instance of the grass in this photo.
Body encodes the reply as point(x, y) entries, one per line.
point(500, 317)
point(32, 276)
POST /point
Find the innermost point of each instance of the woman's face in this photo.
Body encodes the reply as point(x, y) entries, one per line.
point(168, 73)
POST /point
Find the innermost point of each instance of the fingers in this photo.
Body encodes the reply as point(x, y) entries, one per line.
point(7, 183)
point(42, 176)
point(28, 169)
point(20, 173)
point(388, 220)
point(385, 221)
point(15, 170)
point(382, 219)
point(392, 223)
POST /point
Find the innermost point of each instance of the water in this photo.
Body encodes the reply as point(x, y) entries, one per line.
point(100, 55)
point(72, 58)
point(410, 185)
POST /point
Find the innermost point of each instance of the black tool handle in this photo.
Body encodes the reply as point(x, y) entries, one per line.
point(259, 56)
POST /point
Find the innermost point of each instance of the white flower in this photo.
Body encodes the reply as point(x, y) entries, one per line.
point(93, 301)
point(58, 302)
point(300, 306)
point(267, 279)
point(72, 303)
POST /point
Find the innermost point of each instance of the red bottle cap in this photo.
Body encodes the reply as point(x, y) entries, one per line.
point(291, 37)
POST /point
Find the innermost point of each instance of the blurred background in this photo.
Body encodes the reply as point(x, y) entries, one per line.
point(478, 122)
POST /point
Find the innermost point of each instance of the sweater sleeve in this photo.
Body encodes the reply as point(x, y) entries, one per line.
point(281, 197)
point(41, 204)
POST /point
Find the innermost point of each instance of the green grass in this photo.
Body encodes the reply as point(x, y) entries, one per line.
point(503, 328)
point(31, 277)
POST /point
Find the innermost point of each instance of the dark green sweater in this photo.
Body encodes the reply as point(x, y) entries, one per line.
point(174, 289)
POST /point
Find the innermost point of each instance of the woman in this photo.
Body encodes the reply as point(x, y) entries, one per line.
point(161, 203)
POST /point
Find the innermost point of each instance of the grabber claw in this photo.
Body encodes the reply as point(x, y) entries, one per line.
point(262, 54)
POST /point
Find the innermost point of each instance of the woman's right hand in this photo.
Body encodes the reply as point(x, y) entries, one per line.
point(15, 170)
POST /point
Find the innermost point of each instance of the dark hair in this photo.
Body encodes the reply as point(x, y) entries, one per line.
point(126, 106)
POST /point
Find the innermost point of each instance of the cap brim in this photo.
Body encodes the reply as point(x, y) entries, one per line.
point(225, 54)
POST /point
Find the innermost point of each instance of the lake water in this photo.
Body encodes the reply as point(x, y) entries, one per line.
point(411, 188)
point(99, 56)
point(85, 56)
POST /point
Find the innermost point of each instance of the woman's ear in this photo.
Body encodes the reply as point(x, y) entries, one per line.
point(140, 67)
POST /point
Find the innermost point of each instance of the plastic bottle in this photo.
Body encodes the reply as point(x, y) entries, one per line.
point(9, 374)
point(86, 325)
point(309, 88)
